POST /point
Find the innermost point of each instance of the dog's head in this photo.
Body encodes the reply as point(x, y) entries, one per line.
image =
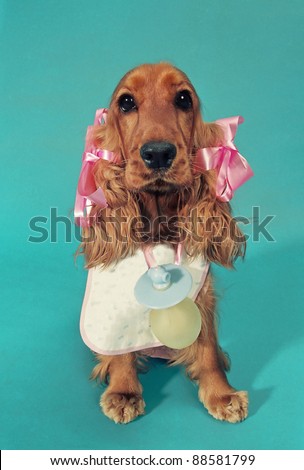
point(155, 126)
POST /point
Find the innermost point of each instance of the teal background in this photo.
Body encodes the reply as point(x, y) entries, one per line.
point(60, 60)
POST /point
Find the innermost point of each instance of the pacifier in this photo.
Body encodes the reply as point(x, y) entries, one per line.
point(175, 319)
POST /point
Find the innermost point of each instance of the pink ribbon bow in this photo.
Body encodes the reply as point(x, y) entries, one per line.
point(87, 194)
point(233, 169)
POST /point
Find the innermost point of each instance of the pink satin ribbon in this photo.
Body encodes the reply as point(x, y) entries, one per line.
point(232, 168)
point(87, 194)
point(150, 258)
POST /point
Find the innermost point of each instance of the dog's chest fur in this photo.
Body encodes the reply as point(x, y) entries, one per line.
point(160, 219)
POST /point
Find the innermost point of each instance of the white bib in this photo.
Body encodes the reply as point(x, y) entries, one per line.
point(112, 321)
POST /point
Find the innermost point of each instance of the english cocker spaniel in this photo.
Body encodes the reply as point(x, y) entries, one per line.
point(155, 174)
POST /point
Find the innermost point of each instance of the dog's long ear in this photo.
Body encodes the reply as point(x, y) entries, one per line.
point(212, 231)
point(110, 236)
point(206, 134)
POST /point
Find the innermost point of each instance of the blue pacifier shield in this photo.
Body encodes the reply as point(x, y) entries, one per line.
point(147, 294)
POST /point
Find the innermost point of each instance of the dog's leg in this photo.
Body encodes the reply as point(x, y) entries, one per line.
point(221, 400)
point(122, 401)
point(206, 364)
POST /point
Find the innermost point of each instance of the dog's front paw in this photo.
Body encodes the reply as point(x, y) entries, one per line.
point(232, 407)
point(122, 407)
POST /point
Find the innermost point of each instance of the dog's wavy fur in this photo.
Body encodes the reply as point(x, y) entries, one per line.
point(201, 222)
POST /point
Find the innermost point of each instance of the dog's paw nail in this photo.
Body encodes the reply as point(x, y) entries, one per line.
point(122, 407)
point(231, 407)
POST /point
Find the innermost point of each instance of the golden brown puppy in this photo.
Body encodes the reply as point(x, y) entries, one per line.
point(155, 126)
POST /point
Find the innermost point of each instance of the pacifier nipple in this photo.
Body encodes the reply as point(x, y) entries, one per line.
point(160, 277)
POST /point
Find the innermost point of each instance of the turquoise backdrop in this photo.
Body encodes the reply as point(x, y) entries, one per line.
point(60, 60)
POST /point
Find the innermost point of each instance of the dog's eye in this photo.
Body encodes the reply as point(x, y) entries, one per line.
point(183, 100)
point(126, 103)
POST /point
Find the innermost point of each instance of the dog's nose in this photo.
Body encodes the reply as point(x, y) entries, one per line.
point(157, 155)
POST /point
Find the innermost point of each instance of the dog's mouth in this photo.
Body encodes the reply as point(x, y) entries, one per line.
point(162, 183)
point(159, 185)
point(161, 176)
